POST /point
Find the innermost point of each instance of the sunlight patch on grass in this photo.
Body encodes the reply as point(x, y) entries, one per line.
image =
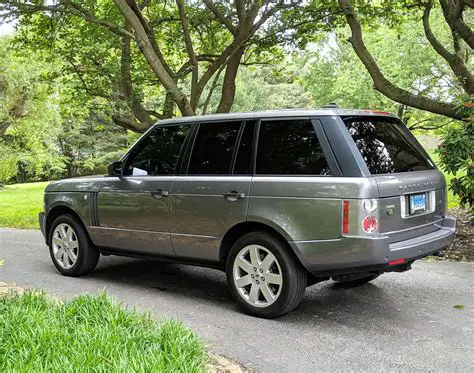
point(20, 204)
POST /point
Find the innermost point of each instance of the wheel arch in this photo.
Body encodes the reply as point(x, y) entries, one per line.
point(240, 229)
point(55, 212)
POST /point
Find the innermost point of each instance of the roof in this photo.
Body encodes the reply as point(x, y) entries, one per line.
point(282, 113)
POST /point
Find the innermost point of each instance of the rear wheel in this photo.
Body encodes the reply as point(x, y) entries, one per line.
point(263, 276)
point(70, 247)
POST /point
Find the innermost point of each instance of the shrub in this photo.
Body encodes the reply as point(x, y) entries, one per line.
point(8, 167)
point(456, 154)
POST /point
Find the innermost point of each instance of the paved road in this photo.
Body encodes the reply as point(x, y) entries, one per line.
point(401, 322)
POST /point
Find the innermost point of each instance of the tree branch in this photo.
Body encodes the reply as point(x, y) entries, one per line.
point(153, 59)
point(192, 55)
point(381, 83)
point(452, 13)
point(127, 86)
point(221, 17)
point(456, 63)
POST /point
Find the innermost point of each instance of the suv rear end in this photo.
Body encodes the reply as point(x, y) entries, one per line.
point(405, 218)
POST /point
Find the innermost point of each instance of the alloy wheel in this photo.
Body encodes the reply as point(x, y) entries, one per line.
point(257, 276)
point(65, 245)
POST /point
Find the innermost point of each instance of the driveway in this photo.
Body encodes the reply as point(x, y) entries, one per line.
point(400, 322)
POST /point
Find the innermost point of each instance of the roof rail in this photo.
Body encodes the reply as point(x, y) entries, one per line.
point(331, 105)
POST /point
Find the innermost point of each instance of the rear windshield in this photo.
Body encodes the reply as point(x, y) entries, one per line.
point(385, 145)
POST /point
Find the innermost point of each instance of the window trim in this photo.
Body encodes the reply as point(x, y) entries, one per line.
point(328, 155)
point(252, 147)
point(192, 142)
point(155, 127)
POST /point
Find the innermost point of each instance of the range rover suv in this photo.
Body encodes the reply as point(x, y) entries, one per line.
point(279, 200)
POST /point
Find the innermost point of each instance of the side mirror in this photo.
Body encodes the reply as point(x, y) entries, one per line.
point(115, 168)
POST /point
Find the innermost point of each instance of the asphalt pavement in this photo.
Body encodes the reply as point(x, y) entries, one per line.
point(399, 322)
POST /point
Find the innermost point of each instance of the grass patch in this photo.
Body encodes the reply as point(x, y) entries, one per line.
point(20, 204)
point(91, 333)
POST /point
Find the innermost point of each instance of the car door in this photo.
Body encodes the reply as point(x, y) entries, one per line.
point(133, 210)
point(209, 198)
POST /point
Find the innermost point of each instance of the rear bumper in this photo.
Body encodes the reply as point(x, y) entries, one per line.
point(360, 254)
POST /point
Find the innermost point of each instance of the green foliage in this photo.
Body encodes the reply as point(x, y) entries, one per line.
point(456, 154)
point(8, 167)
point(20, 205)
point(91, 333)
point(334, 73)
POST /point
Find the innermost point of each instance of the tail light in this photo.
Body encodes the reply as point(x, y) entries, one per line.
point(359, 217)
point(369, 224)
point(345, 217)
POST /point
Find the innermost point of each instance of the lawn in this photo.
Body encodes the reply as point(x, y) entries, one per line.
point(20, 204)
point(93, 334)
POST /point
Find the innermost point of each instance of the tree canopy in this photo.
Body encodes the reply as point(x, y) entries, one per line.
point(143, 58)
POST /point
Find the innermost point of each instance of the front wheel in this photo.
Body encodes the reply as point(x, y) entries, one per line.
point(263, 276)
point(70, 247)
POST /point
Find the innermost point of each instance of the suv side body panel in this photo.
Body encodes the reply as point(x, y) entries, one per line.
point(200, 215)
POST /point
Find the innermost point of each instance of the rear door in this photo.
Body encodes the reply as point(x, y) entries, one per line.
point(208, 198)
point(412, 191)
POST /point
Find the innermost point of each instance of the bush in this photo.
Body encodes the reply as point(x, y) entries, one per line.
point(8, 167)
point(456, 155)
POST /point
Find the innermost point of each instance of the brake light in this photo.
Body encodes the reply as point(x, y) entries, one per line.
point(395, 262)
point(369, 224)
point(345, 216)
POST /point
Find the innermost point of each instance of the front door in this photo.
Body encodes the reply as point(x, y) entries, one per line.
point(133, 210)
point(211, 197)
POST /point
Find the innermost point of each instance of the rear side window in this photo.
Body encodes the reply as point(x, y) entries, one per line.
point(213, 148)
point(290, 147)
point(385, 147)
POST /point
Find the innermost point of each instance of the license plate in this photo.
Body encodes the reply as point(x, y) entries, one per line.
point(417, 203)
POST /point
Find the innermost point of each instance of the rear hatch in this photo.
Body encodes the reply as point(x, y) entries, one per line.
point(412, 191)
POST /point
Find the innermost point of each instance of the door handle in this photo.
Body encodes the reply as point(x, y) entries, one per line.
point(160, 193)
point(233, 195)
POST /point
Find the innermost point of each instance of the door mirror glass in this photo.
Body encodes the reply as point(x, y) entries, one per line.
point(115, 168)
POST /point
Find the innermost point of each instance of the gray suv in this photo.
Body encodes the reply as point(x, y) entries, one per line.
point(280, 200)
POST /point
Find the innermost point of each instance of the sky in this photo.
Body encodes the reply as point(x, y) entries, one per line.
point(6, 28)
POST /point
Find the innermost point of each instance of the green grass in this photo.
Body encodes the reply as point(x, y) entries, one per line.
point(92, 334)
point(20, 204)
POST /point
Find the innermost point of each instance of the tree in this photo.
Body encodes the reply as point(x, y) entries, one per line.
point(332, 72)
point(458, 60)
point(185, 45)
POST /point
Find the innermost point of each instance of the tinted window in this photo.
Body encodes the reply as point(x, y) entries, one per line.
point(158, 153)
point(290, 147)
point(244, 153)
point(385, 147)
point(213, 148)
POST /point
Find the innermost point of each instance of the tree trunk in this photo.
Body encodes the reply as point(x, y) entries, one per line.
point(228, 86)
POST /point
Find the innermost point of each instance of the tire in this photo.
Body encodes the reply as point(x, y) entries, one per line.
point(356, 282)
point(67, 228)
point(275, 262)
